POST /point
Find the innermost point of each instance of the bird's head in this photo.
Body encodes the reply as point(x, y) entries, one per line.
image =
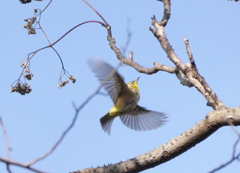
point(133, 85)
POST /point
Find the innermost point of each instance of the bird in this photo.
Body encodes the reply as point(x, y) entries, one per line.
point(125, 98)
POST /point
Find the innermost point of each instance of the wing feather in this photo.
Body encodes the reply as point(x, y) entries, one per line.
point(108, 76)
point(142, 119)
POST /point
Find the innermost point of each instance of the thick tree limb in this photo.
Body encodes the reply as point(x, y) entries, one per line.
point(176, 146)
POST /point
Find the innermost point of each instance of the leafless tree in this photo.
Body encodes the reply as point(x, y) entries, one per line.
point(187, 74)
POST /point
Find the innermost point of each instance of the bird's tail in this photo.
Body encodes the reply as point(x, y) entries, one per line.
point(106, 122)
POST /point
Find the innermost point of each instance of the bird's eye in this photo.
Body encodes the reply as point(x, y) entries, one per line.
point(130, 84)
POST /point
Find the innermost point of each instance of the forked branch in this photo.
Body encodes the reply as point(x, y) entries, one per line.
point(190, 72)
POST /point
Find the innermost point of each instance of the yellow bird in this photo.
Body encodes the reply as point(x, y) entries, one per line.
point(125, 98)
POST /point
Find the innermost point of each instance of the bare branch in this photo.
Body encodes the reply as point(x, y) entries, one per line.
point(77, 110)
point(235, 156)
point(10, 162)
point(187, 75)
point(129, 61)
point(129, 35)
point(190, 55)
point(8, 168)
point(176, 146)
point(208, 93)
point(162, 38)
point(56, 144)
point(162, 67)
point(40, 27)
point(166, 13)
point(8, 149)
point(24, 88)
point(106, 24)
point(45, 7)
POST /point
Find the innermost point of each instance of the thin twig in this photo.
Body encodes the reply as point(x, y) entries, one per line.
point(129, 35)
point(234, 155)
point(61, 137)
point(40, 27)
point(92, 21)
point(8, 149)
point(32, 54)
point(225, 164)
point(106, 24)
point(8, 168)
point(10, 162)
point(59, 57)
point(77, 110)
point(45, 7)
point(190, 55)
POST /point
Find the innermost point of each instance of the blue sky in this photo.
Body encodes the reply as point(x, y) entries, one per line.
point(34, 122)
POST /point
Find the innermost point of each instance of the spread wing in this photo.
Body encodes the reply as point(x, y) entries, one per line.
point(142, 119)
point(108, 76)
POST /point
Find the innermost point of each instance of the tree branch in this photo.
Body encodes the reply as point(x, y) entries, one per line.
point(8, 149)
point(188, 73)
point(176, 146)
point(235, 155)
point(10, 162)
point(129, 61)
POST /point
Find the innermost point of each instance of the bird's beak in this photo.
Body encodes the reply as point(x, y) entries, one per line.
point(137, 80)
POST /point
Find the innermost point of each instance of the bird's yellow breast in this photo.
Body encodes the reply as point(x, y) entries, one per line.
point(125, 102)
